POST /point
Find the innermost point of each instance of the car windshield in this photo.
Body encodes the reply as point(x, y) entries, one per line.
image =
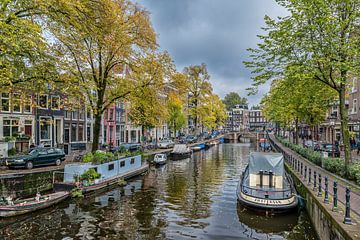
point(33, 152)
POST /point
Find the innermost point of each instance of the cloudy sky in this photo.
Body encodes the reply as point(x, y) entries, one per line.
point(214, 32)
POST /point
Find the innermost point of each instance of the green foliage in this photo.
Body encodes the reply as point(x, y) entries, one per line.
point(10, 139)
point(122, 182)
point(231, 99)
point(333, 165)
point(12, 152)
point(88, 157)
point(90, 175)
point(77, 193)
point(102, 157)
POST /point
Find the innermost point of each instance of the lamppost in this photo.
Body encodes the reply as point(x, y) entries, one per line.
point(332, 120)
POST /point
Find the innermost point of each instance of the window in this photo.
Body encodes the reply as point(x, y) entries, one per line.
point(16, 103)
point(132, 161)
point(42, 152)
point(51, 151)
point(66, 132)
point(45, 128)
point(75, 115)
point(354, 110)
point(88, 133)
point(122, 164)
point(28, 128)
point(10, 127)
point(27, 104)
point(88, 114)
point(81, 115)
point(111, 117)
point(67, 114)
point(43, 101)
point(73, 132)
point(55, 103)
point(81, 132)
point(111, 167)
point(5, 102)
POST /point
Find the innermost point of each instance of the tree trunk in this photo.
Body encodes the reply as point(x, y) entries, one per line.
point(96, 132)
point(345, 128)
point(296, 131)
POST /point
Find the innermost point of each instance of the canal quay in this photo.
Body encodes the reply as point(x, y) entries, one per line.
point(193, 198)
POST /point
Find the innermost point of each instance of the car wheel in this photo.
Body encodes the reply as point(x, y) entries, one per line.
point(58, 162)
point(29, 165)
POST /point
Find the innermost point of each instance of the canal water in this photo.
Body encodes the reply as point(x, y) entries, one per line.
point(187, 199)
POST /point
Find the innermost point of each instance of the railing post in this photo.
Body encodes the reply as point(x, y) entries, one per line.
point(326, 198)
point(305, 173)
point(309, 182)
point(301, 168)
point(319, 187)
point(314, 189)
point(335, 196)
point(347, 219)
point(298, 165)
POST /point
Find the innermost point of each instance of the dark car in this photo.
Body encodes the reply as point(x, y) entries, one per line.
point(131, 147)
point(332, 150)
point(37, 157)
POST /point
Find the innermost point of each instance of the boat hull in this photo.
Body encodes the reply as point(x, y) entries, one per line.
point(15, 210)
point(158, 163)
point(270, 205)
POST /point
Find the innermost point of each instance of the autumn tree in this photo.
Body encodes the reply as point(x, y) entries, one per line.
point(108, 49)
point(176, 116)
point(212, 112)
point(198, 87)
point(318, 38)
point(231, 99)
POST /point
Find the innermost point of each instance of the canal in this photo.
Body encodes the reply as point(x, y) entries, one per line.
point(187, 199)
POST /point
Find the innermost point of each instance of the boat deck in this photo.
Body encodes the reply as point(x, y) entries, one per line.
point(268, 192)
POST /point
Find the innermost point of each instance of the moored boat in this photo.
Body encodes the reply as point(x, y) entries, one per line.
point(160, 158)
point(110, 174)
point(265, 185)
point(28, 205)
point(198, 147)
point(180, 151)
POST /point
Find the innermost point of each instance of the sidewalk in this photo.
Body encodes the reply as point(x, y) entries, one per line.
point(342, 183)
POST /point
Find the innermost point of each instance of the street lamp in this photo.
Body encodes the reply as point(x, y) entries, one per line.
point(332, 120)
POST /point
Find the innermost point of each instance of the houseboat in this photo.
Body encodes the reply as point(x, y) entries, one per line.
point(180, 151)
point(265, 185)
point(160, 159)
point(110, 173)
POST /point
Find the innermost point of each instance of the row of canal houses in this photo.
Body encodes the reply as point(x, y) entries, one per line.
point(44, 120)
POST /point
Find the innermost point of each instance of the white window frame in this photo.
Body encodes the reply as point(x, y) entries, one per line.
point(58, 101)
point(29, 102)
point(19, 102)
point(47, 101)
point(1, 103)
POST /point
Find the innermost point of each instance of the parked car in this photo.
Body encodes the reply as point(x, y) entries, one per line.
point(332, 150)
point(313, 144)
point(190, 139)
point(166, 144)
point(131, 147)
point(37, 157)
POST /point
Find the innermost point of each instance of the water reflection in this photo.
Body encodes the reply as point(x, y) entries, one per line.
point(191, 198)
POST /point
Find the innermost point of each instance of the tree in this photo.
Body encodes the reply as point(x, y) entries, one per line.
point(176, 116)
point(320, 39)
point(25, 56)
point(107, 48)
point(212, 112)
point(198, 87)
point(231, 99)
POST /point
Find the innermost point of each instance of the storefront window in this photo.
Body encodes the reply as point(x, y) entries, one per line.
point(45, 128)
point(81, 132)
point(73, 132)
point(5, 102)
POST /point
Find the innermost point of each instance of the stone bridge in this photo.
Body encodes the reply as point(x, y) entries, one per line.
point(243, 136)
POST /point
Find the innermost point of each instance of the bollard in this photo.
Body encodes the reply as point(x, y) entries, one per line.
point(326, 198)
point(335, 196)
point(314, 189)
point(309, 182)
point(305, 172)
point(319, 187)
point(347, 219)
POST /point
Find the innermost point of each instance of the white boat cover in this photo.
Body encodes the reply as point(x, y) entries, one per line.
point(181, 148)
point(266, 162)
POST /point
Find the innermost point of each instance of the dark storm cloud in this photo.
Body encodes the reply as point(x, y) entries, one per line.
point(216, 32)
